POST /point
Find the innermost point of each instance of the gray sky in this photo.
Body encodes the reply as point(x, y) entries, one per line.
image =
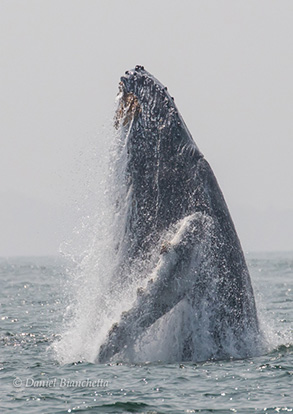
point(228, 64)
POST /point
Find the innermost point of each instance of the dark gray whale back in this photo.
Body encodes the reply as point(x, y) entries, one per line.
point(168, 181)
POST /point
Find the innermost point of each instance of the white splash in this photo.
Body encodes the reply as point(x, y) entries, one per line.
point(98, 296)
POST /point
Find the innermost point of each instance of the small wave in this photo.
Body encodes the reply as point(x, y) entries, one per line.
point(129, 407)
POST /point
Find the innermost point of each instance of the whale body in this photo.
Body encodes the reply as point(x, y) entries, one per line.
point(175, 228)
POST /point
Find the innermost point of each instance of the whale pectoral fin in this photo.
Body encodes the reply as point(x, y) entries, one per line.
point(172, 282)
point(151, 304)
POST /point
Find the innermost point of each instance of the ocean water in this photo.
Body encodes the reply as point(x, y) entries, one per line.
point(36, 377)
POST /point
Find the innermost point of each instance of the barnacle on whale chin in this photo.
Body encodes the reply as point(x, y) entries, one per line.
point(128, 107)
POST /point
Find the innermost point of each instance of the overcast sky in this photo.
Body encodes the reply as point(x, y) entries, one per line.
point(228, 63)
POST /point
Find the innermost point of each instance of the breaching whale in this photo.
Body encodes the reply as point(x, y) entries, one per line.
point(175, 223)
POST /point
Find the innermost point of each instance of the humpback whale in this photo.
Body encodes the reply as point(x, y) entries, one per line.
point(176, 229)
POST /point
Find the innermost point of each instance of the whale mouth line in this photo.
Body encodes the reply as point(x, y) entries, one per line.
point(128, 107)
